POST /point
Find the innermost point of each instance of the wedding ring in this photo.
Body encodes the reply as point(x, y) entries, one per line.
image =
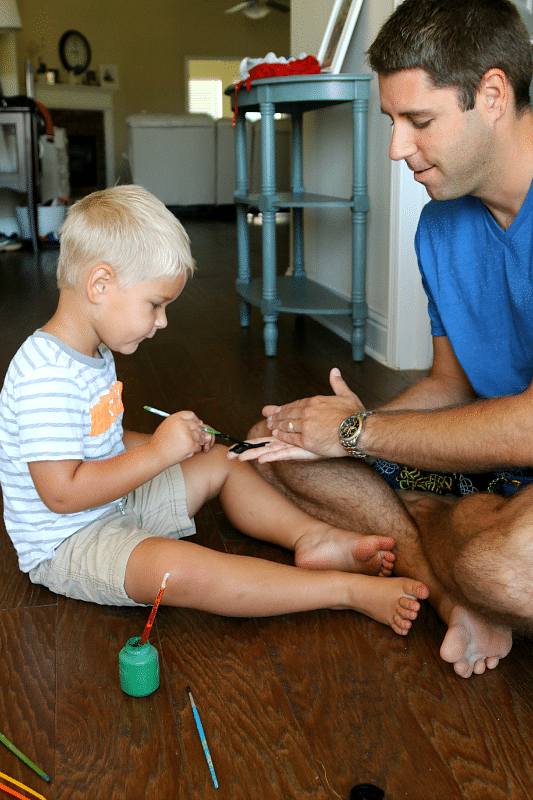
point(291, 427)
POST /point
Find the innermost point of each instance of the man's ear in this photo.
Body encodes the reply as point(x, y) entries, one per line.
point(100, 278)
point(493, 94)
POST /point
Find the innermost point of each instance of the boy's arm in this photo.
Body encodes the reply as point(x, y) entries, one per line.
point(70, 485)
point(134, 438)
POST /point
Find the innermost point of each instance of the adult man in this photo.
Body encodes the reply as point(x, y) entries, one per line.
point(454, 79)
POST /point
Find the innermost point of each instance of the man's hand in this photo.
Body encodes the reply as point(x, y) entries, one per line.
point(275, 450)
point(313, 424)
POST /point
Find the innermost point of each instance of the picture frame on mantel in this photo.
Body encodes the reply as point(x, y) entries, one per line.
point(338, 34)
point(109, 76)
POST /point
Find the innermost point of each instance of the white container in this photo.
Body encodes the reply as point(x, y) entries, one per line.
point(173, 156)
point(49, 220)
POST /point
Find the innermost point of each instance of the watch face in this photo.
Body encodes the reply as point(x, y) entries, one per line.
point(75, 52)
point(349, 428)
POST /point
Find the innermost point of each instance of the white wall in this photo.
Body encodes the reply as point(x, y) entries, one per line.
point(393, 285)
point(328, 169)
point(8, 63)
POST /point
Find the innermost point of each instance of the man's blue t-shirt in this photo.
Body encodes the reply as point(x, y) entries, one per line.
point(479, 283)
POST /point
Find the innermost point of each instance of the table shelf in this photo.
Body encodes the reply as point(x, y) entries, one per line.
point(297, 200)
point(297, 295)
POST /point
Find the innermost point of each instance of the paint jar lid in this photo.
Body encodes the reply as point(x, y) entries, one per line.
point(366, 791)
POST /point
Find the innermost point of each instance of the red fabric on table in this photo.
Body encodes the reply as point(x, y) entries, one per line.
point(300, 66)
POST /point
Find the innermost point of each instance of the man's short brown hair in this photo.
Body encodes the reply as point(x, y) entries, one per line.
point(456, 42)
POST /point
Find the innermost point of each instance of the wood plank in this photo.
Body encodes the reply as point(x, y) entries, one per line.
point(27, 693)
point(481, 727)
point(110, 745)
point(336, 686)
point(254, 740)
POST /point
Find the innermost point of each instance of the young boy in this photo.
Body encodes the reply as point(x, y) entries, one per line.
point(97, 512)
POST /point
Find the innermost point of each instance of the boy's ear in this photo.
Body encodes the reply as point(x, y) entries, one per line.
point(100, 278)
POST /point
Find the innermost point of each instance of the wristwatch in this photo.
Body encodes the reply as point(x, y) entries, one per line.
point(350, 431)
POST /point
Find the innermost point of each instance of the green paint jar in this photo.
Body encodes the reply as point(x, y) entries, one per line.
point(138, 668)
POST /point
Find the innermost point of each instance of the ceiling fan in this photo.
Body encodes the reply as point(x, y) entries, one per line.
point(257, 9)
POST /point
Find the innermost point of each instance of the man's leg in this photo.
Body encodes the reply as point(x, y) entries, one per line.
point(349, 494)
point(478, 635)
point(485, 548)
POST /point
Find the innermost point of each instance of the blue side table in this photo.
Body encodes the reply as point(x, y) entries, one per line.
point(297, 293)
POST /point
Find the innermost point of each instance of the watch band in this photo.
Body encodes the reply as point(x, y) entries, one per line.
point(350, 445)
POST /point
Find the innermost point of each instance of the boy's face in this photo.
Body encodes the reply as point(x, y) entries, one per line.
point(450, 151)
point(132, 315)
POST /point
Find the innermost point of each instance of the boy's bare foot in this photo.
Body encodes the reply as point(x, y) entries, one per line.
point(347, 551)
point(472, 644)
point(393, 602)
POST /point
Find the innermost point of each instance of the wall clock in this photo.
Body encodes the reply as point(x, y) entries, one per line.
point(75, 52)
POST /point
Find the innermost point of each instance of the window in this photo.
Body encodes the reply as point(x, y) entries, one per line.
point(205, 97)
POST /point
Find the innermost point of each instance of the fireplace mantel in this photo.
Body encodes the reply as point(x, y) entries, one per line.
point(86, 98)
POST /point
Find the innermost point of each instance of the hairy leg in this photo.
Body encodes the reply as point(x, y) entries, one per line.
point(484, 548)
point(475, 639)
point(257, 509)
point(233, 585)
point(348, 493)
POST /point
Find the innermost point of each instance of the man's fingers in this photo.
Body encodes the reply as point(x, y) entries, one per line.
point(338, 384)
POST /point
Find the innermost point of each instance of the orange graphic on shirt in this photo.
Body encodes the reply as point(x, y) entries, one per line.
point(106, 410)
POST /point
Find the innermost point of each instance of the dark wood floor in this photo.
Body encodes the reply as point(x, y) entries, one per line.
point(300, 706)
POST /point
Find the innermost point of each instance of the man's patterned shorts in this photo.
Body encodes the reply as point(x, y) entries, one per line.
point(505, 482)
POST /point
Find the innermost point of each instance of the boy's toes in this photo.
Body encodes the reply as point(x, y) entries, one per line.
point(401, 625)
point(409, 604)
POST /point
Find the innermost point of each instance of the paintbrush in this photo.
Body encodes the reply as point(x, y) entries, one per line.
point(242, 446)
point(148, 626)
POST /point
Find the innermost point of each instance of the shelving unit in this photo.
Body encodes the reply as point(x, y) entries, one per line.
point(294, 95)
point(19, 124)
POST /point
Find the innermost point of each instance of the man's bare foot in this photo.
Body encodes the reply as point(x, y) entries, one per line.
point(472, 644)
point(347, 551)
point(393, 602)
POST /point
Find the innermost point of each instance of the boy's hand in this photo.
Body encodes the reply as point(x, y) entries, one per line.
point(180, 436)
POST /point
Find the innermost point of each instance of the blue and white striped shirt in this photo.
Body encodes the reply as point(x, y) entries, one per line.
point(56, 404)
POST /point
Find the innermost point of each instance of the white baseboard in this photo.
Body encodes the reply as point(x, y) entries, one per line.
point(376, 332)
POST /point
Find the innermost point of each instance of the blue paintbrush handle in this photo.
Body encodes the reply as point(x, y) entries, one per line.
point(203, 740)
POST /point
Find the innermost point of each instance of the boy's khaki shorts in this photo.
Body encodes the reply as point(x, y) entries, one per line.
point(91, 564)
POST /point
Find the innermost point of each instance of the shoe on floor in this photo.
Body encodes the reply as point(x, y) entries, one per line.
point(10, 242)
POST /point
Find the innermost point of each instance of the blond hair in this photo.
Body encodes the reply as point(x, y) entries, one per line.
point(127, 228)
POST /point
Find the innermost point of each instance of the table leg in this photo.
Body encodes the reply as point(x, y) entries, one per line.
point(297, 186)
point(268, 205)
point(243, 258)
point(269, 302)
point(359, 212)
point(241, 191)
